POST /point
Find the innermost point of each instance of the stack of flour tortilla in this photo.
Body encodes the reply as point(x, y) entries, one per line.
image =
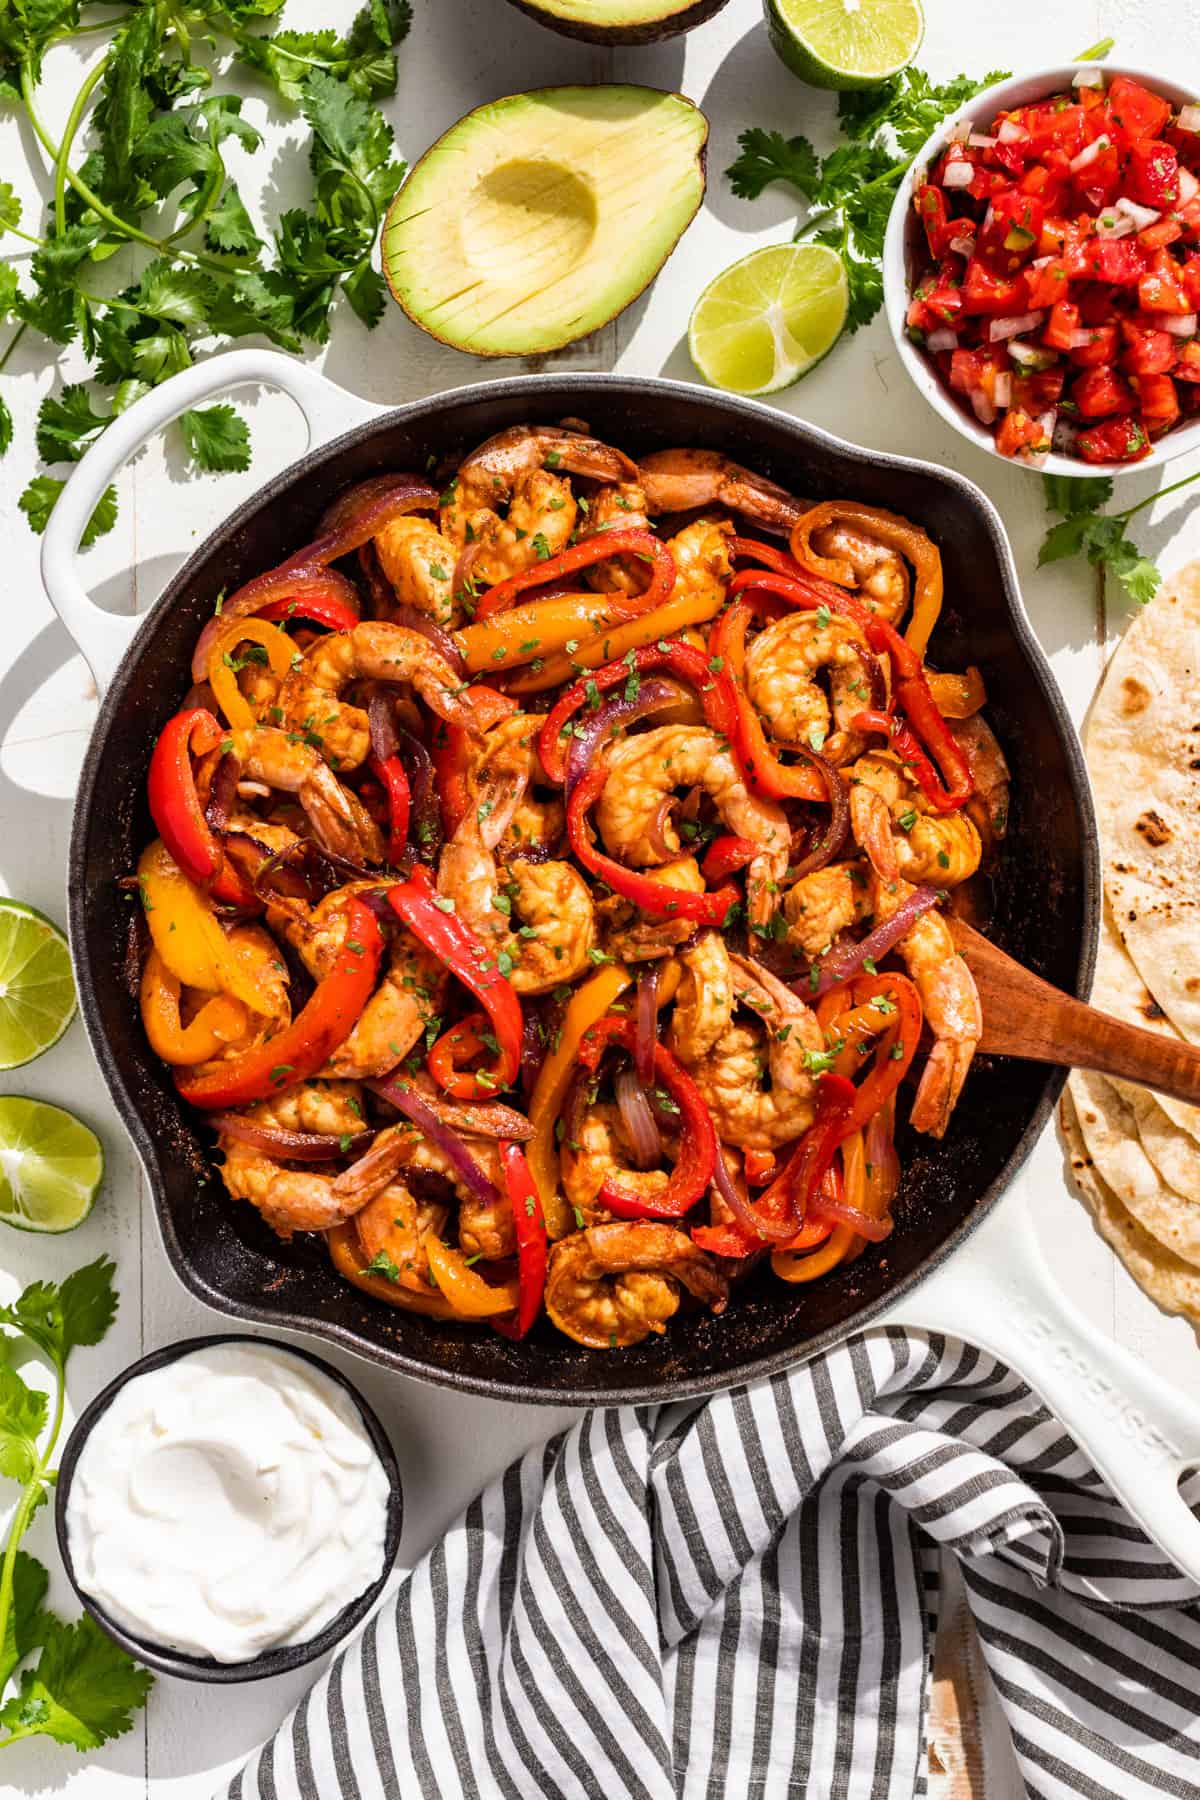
point(1135, 1154)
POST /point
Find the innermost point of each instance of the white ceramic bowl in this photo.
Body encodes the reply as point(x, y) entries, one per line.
point(901, 259)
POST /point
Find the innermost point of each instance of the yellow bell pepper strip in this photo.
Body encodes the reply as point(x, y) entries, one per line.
point(608, 643)
point(532, 1247)
point(537, 629)
point(222, 672)
point(304, 1046)
point(957, 696)
point(468, 1293)
point(794, 1266)
point(345, 1253)
point(634, 540)
point(588, 1004)
point(885, 528)
point(219, 1022)
point(187, 935)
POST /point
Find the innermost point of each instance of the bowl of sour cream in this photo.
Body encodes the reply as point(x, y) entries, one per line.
point(228, 1508)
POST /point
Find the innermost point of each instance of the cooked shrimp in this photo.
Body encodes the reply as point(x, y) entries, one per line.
point(988, 805)
point(419, 563)
point(704, 999)
point(339, 819)
point(396, 1225)
point(702, 558)
point(730, 1079)
point(634, 806)
point(880, 573)
point(510, 748)
point(289, 1196)
point(793, 1034)
point(952, 1010)
point(890, 820)
point(781, 670)
point(621, 507)
point(614, 1284)
point(630, 936)
point(603, 1149)
point(402, 1153)
point(680, 480)
point(374, 650)
point(829, 901)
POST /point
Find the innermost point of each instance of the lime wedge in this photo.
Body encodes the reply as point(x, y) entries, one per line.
point(845, 43)
point(765, 321)
point(50, 1166)
point(37, 989)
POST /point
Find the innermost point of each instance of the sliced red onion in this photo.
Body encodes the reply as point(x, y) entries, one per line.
point(773, 1231)
point(593, 729)
point(424, 813)
point(637, 1118)
point(1180, 325)
point(382, 723)
point(1012, 325)
point(940, 340)
point(848, 959)
point(834, 834)
point(380, 592)
point(468, 556)
point(289, 1146)
point(839, 1213)
point(647, 1025)
point(958, 174)
point(415, 620)
point(405, 1098)
point(1089, 153)
point(656, 830)
point(481, 1118)
point(364, 510)
point(223, 792)
point(290, 581)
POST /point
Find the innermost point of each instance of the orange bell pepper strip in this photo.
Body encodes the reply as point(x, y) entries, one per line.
point(886, 528)
point(467, 1292)
point(603, 641)
point(305, 1045)
point(222, 671)
point(586, 1005)
point(636, 541)
point(345, 1253)
point(218, 1023)
point(757, 759)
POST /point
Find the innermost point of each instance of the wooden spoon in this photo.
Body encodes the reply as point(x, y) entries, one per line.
point(1024, 1016)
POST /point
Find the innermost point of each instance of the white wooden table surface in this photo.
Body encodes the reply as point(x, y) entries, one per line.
point(461, 53)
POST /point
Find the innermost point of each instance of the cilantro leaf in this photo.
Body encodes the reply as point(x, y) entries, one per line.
point(60, 1316)
point(25, 1624)
point(767, 156)
point(6, 426)
point(216, 437)
point(228, 225)
point(67, 426)
point(351, 155)
point(1071, 495)
point(23, 1412)
point(84, 1689)
point(365, 290)
point(10, 206)
point(1101, 537)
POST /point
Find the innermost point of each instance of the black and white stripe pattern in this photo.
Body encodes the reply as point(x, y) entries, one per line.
point(736, 1598)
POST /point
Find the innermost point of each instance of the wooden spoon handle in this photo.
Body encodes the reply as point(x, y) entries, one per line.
point(1024, 1016)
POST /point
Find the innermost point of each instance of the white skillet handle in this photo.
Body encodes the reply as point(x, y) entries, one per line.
point(104, 637)
point(1139, 1431)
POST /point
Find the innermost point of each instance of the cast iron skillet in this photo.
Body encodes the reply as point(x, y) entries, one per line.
point(1044, 899)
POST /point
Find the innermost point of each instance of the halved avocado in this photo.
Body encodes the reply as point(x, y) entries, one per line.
point(540, 216)
point(620, 21)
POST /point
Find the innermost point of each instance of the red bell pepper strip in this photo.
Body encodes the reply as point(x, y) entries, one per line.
point(713, 686)
point(392, 777)
point(733, 1240)
point(322, 609)
point(651, 897)
point(726, 855)
point(634, 541)
point(690, 1178)
point(453, 748)
point(806, 1168)
point(458, 1045)
point(305, 1045)
point(532, 1240)
point(176, 810)
point(433, 920)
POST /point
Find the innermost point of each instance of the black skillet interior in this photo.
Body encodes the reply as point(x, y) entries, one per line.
point(1044, 906)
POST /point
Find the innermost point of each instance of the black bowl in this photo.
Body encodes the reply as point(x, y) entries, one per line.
point(1044, 906)
point(269, 1662)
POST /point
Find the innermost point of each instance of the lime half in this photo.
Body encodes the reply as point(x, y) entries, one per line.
point(845, 43)
point(764, 322)
point(37, 989)
point(50, 1166)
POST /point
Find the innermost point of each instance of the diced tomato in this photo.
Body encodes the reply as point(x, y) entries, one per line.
point(1160, 289)
point(1190, 273)
point(1047, 285)
point(1062, 323)
point(985, 291)
point(1120, 261)
point(1160, 234)
point(945, 298)
point(1098, 185)
point(1186, 145)
point(1089, 97)
point(1158, 402)
point(1116, 440)
point(1188, 366)
point(1010, 233)
point(1039, 390)
point(1018, 433)
point(1100, 349)
point(1052, 127)
point(1148, 351)
point(1152, 174)
point(1079, 237)
point(934, 213)
point(1048, 180)
point(1100, 392)
point(1008, 157)
point(1097, 303)
point(987, 183)
point(975, 371)
point(1136, 113)
point(1097, 120)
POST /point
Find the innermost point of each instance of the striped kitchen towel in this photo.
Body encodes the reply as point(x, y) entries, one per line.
point(737, 1598)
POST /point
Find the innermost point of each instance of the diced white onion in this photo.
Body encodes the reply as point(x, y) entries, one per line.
point(1064, 435)
point(1003, 389)
point(1079, 339)
point(979, 140)
point(985, 412)
point(1189, 118)
point(958, 174)
point(1188, 186)
point(958, 134)
point(1012, 133)
point(1090, 77)
point(963, 246)
point(1041, 262)
point(1181, 325)
point(1115, 225)
point(1088, 155)
point(1028, 355)
point(1141, 216)
point(940, 340)
point(1035, 459)
point(999, 329)
point(253, 790)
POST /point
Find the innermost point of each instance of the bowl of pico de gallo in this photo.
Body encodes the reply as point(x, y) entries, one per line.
point(1042, 269)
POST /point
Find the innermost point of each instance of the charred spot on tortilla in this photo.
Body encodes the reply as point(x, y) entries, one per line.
point(1153, 827)
point(1152, 1009)
point(1135, 696)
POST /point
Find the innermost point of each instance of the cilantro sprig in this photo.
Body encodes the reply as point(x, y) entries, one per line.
point(159, 134)
point(1084, 530)
point(81, 1690)
point(849, 193)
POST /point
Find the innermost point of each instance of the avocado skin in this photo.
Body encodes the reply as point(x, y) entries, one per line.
point(543, 347)
point(653, 32)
